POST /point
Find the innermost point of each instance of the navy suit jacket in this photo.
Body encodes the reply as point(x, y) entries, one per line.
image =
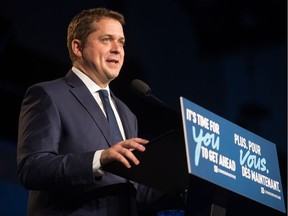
point(60, 128)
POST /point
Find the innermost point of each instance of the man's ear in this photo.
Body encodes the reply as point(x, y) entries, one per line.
point(77, 47)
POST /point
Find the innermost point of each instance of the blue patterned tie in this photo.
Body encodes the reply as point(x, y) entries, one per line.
point(110, 114)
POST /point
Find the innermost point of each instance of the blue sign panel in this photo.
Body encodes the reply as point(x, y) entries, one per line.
point(227, 155)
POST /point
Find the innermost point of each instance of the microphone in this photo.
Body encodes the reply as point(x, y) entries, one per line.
point(143, 89)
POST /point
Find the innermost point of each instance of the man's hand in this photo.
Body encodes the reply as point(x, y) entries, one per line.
point(122, 151)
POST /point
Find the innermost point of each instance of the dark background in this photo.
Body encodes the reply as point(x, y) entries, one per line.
point(227, 56)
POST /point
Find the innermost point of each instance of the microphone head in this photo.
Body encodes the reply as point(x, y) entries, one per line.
point(141, 87)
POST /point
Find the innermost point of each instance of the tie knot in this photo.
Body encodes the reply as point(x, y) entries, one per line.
point(103, 93)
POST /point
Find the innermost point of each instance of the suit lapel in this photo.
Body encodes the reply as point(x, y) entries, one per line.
point(122, 111)
point(83, 95)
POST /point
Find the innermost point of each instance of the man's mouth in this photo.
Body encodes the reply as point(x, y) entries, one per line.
point(112, 61)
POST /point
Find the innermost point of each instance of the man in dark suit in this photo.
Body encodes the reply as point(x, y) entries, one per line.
point(64, 137)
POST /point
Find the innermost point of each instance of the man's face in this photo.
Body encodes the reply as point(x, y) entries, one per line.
point(103, 53)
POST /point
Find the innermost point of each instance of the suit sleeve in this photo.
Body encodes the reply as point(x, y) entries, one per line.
point(40, 166)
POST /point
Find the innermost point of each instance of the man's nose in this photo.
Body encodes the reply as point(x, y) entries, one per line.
point(116, 47)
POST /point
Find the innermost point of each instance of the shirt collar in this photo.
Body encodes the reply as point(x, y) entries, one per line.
point(91, 85)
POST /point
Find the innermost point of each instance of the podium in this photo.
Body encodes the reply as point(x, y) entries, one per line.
point(163, 165)
point(217, 163)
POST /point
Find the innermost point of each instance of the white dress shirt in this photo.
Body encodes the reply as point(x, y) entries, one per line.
point(93, 88)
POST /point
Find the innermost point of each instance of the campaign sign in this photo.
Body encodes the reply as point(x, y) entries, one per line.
point(227, 155)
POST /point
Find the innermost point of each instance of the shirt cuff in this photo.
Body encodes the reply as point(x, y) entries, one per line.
point(97, 165)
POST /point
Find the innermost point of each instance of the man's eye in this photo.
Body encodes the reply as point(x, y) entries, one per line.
point(122, 43)
point(106, 40)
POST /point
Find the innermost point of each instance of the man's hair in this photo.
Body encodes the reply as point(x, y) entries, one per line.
point(81, 25)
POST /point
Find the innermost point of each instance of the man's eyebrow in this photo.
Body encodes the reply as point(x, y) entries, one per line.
point(112, 36)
